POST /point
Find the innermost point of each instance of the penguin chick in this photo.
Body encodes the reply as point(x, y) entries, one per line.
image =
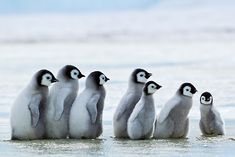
point(27, 113)
point(211, 122)
point(86, 112)
point(140, 123)
point(173, 119)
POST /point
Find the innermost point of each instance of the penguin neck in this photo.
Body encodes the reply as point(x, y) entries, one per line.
point(33, 86)
point(179, 94)
point(148, 98)
point(135, 87)
point(62, 78)
point(67, 82)
point(92, 86)
point(185, 102)
point(205, 108)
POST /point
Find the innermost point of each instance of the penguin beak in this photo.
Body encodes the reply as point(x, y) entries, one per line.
point(194, 91)
point(148, 75)
point(106, 79)
point(158, 87)
point(81, 76)
point(54, 80)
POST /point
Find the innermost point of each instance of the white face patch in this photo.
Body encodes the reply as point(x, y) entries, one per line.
point(187, 91)
point(152, 88)
point(74, 74)
point(46, 79)
point(141, 77)
point(102, 79)
point(203, 101)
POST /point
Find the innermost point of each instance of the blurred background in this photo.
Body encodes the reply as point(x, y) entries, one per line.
point(112, 20)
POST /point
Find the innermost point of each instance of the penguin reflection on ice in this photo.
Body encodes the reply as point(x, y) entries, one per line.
point(27, 113)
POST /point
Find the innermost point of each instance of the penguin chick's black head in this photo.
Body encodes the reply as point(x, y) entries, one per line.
point(45, 78)
point(99, 78)
point(151, 87)
point(187, 89)
point(72, 72)
point(140, 76)
point(206, 98)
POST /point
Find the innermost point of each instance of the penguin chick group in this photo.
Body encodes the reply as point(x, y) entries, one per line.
point(39, 114)
point(134, 117)
point(59, 113)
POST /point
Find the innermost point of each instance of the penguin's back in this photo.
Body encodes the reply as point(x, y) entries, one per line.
point(79, 120)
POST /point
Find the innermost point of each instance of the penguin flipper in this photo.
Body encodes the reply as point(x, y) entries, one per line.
point(59, 103)
point(34, 109)
point(123, 106)
point(136, 112)
point(218, 117)
point(92, 107)
point(217, 124)
point(167, 109)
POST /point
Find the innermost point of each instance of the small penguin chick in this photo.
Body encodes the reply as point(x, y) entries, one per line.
point(140, 123)
point(27, 113)
point(173, 119)
point(211, 122)
point(86, 113)
point(61, 98)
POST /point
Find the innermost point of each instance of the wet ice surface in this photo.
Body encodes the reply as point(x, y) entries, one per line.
point(194, 145)
point(208, 65)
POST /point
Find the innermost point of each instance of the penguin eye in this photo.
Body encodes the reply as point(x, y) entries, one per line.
point(48, 77)
point(102, 77)
point(141, 75)
point(75, 73)
point(203, 98)
point(187, 88)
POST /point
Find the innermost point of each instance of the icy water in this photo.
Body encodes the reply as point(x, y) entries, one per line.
point(209, 65)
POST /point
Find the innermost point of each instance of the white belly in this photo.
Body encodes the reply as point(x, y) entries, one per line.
point(79, 122)
point(21, 120)
point(55, 128)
